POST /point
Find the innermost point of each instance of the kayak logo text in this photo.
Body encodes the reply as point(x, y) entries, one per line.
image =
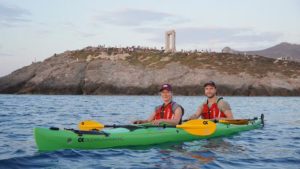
point(80, 139)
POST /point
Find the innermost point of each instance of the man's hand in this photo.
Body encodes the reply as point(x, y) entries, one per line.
point(197, 114)
point(192, 117)
point(138, 121)
point(157, 122)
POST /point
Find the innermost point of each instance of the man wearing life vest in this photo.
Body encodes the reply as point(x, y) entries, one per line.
point(169, 112)
point(214, 107)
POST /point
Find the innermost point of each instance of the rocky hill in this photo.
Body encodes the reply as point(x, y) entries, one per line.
point(100, 70)
point(282, 50)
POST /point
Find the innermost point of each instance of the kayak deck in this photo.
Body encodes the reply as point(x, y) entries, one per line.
point(55, 139)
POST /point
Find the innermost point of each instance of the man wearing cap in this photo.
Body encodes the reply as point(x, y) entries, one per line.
point(214, 107)
point(169, 112)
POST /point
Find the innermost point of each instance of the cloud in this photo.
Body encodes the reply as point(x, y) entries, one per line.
point(192, 36)
point(78, 29)
point(5, 54)
point(138, 17)
point(12, 15)
point(85, 34)
point(68, 25)
point(226, 34)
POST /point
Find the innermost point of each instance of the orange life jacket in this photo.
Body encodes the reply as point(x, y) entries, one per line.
point(213, 112)
point(167, 111)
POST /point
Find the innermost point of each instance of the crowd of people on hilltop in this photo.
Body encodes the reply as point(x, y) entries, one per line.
point(128, 49)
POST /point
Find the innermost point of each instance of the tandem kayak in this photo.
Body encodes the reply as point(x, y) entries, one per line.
point(50, 139)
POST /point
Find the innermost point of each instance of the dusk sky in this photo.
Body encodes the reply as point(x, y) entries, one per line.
point(35, 29)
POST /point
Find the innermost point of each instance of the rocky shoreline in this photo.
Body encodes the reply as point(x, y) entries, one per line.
point(126, 71)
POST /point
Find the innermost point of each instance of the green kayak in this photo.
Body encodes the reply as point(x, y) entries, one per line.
point(49, 139)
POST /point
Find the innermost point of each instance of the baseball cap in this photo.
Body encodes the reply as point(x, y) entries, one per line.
point(166, 87)
point(210, 83)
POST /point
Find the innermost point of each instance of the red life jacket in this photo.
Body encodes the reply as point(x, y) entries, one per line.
point(213, 112)
point(167, 111)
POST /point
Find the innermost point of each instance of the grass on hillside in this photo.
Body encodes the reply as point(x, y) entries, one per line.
point(222, 62)
point(229, 63)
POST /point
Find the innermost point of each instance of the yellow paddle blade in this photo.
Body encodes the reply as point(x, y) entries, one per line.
point(234, 121)
point(90, 125)
point(199, 127)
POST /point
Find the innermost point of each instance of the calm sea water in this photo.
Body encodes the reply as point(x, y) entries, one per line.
point(277, 145)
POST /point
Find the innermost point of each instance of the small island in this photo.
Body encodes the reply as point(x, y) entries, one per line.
point(140, 70)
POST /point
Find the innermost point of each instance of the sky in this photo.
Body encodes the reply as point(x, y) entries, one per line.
point(34, 30)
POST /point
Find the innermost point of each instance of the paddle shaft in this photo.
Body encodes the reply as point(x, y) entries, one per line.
point(217, 121)
point(195, 127)
point(136, 127)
